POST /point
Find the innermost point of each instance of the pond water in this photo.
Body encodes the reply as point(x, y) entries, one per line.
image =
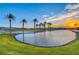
point(49, 38)
point(13, 32)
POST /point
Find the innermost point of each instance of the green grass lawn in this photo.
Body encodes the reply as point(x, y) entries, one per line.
point(8, 45)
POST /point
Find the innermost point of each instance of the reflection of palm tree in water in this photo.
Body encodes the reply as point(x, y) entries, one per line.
point(47, 35)
point(40, 38)
point(44, 37)
point(35, 39)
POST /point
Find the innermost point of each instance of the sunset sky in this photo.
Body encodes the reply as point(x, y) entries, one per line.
point(55, 13)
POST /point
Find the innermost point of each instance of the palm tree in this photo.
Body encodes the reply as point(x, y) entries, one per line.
point(40, 26)
point(35, 21)
point(10, 17)
point(37, 27)
point(49, 26)
point(77, 28)
point(23, 24)
point(45, 26)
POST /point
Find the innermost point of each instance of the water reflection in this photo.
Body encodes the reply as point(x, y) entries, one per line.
point(53, 38)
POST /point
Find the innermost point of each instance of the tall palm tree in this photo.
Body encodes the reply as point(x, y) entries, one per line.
point(10, 17)
point(35, 21)
point(45, 26)
point(23, 24)
point(49, 26)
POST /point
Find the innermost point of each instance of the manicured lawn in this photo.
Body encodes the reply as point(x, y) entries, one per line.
point(8, 45)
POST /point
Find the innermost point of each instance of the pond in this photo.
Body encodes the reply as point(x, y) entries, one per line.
point(48, 38)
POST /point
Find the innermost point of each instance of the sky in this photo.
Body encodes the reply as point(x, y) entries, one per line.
point(42, 11)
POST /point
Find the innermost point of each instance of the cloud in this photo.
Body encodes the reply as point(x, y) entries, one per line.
point(77, 16)
point(44, 16)
point(47, 15)
point(73, 13)
point(51, 17)
point(72, 7)
point(48, 18)
point(65, 16)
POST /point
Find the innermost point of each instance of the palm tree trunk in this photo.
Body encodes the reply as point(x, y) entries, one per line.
point(39, 27)
point(44, 27)
point(10, 27)
point(23, 31)
point(50, 28)
point(34, 27)
point(34, 32)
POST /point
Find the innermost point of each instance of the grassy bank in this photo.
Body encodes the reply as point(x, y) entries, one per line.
point(8, 45)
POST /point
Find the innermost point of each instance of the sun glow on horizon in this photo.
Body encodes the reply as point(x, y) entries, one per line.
point(72, 23)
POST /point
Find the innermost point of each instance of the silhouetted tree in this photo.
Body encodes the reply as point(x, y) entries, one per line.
point(10, 17)
point(23, 22)
point(37, 27)
point(35, 21)
point(45, 26)
point(41, 26)
point(49, 26)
